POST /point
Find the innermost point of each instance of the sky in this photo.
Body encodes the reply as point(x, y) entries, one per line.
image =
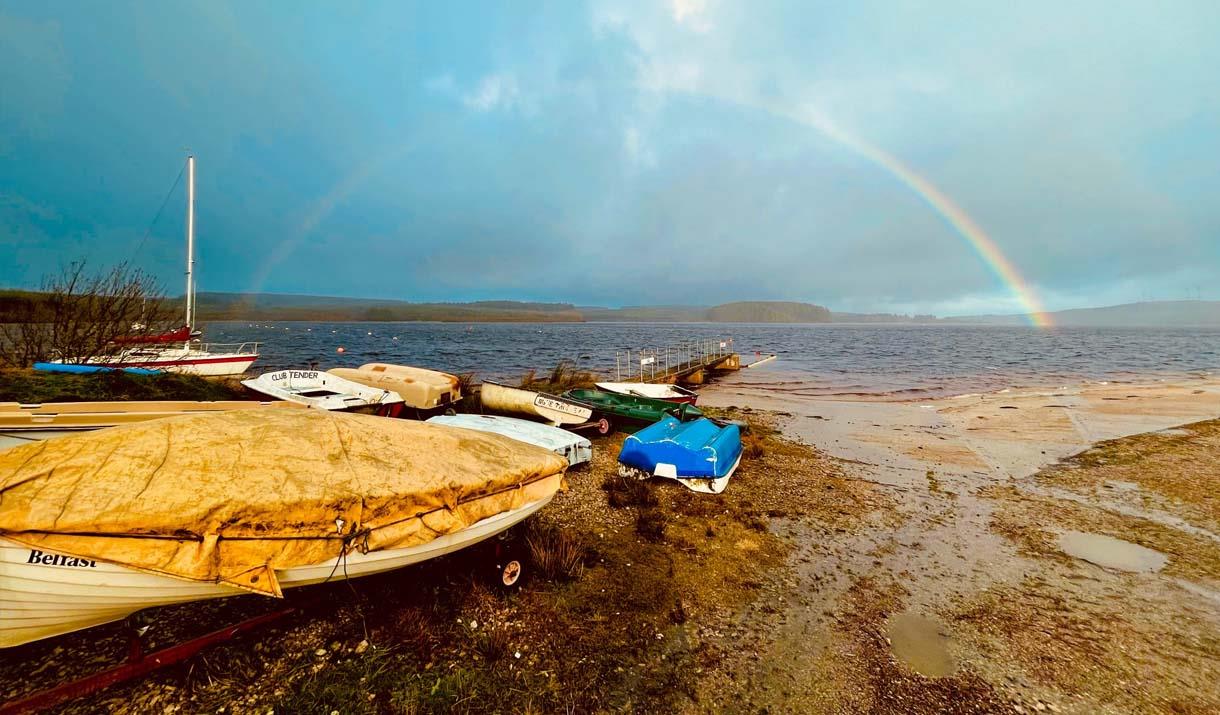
point(947, 157)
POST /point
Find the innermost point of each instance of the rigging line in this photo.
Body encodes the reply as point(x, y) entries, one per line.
point(164, 203)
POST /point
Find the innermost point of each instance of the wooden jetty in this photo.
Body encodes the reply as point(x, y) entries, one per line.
point(689, 363)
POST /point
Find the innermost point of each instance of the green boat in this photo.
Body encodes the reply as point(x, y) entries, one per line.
point(630, 411)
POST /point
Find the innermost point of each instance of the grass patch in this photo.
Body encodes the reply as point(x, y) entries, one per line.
point(650, 523)
point(31, 386)
point(752, 446)
point(563, 377)
point(628, 491)
point(1029, 521)
point(558, 554)
point(1099, 650)
point(1175, 472)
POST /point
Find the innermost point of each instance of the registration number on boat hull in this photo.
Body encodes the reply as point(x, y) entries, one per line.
point(566, 408)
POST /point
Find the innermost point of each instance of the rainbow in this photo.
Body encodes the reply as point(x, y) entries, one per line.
point(323, 207)
point(957, 218)
point(954, 215)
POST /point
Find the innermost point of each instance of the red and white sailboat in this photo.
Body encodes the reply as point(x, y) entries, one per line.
point(178, 350)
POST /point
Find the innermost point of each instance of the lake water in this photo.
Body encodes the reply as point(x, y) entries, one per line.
point(829, 360)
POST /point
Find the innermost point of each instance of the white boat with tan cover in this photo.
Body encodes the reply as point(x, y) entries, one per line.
point(554, 409)
point(99, 525)
point(322, 390)
point(21, 423)
point(419, 388)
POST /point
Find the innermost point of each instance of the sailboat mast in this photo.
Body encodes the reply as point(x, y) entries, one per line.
point(190, 247)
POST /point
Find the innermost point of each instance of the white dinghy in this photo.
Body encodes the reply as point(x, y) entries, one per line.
point(45, 593)
point(660, 391)
point(572, 447)
point(96, 526)
point(320, 389)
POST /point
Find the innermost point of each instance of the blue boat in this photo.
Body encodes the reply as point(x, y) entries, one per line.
point(700, 454)
point(90, 369)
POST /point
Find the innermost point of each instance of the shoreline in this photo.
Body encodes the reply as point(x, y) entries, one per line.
point(942, 602)
point(868, 557)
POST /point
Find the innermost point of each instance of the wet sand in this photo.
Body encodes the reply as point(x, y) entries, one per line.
point(992, 587)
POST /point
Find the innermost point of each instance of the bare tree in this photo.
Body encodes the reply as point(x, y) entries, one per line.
point(24, 331)
point(78, 316)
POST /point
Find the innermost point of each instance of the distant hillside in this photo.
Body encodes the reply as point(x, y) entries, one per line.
point(1160, 314)
point(838, 317)
point(266, 306)
point(269, 306)
point(741, 312)
point(646, 313)
point(768, 312)
point(272, 306)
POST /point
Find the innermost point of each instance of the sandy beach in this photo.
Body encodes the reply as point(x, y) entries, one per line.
point(1004, 578)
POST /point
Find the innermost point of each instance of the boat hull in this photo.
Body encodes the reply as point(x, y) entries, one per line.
point(700, 455)
point(659, 391)
point(44, 594)
point(182, 361)
point(633, 410)
point(572, 447)
point(321, 390)
point(552, 408)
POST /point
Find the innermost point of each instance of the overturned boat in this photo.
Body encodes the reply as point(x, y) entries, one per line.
point(668, 393)
point(570, 446)
point(554, 409)
point(419, 388)
point(700, 455)
point(630, 411)
point(21, 423)
point(322, 390)
point(70, 369)
point(94, 527)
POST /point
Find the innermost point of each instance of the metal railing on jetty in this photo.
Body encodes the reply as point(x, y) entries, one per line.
point(653, 364)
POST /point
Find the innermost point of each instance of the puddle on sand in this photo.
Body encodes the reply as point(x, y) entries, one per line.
point(1111, 553)
point(920, 644)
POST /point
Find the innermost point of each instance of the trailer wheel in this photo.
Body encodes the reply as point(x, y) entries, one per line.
point(605, 426)
point(510, 573)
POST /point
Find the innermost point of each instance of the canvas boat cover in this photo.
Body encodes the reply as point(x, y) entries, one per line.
point(419, 388)
point(231, 497)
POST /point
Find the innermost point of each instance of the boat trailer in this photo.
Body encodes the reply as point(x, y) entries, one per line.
point(139, 663)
